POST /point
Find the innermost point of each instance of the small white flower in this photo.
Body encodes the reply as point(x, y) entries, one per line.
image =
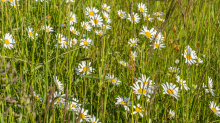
point(91, 11)
point(106, 7)
point(73, 18)
point(124, 102)
point(85, 43)
point(138, 109)
point(122, 14)
point(133, 42)
point(99, 32)
point(30, 33)
point(96, 20)
point(172, 114)
point(134, 18)
point(113, 79)
point(123, 63)
point(48, 29)
point(8, 41)
point(73, 30)
point(84, 69)
point(86, 26)
point(142, 7)
point(177, 61)
point(133, 55)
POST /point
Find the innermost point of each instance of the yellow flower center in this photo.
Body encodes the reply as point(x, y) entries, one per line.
point(170, 91)
point(85, 69)
point(82, 115)
point(133, 43)
point(195, 87)
point(158, 13)
point(6, 41)
point(74, 31)
point(105, 8)
point(58, 100)
point(174, 70)
point(146, 83)
point(171, 114)
point(73, 105)
point(10, 0)
point(123, 103)
point(142, 91)
point(59, 39)
point(141, 9)
point(132, 56)
point(148, 34)
point(113, 80)
point(96, 21)
point(66, 42)
point(157, 45)
point(123, 63)
point(37, 98)
point(91, 13)
point(73, 41)
point(84, 26)
point(99, 34)
point(121, 15)
point(188, 56)
point(86, 43)
point(132, 18)
point(139, 110)
point(71, 19)
point(31, 34)
point(214, 110)
point(47, 29)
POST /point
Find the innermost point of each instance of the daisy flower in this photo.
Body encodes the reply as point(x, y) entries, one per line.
point(14, 3)
point(85, 43)
point(48, 29)
point(37, 97)
point(158, 45)
point(73, 18)
point(159, 37)
point(146, 81)
point(99, 32)
point(113, 79)
point(210, 86)
point(30, 33)
point(216, 109)
point(73, 30)
point(138, 109)
point(123, 63)
point(59, 99)
point(173, 69)
point(86, 26)
point(67, 1)
point(200, 60)
point(190, 55)
point(84, 69)
point(74, 104)
point(181, 82)
point(96, 20)
point(142, 7)
point(106, 7)
point(147, 17)
point(177, 61)
point(133, 42)
point(91, 11)
point(170, 89)
point(94, 120)
point(124, 102)
point(134, 18)
point(83, 114)
point(4, 0)
point(58, 83)
point(148, 33)
point(172, 114)
point(158, 13)
point(107, 18)
point(122, 14)
point(11, 0)
point(73, 42)
point(105, 26)
point(8, 41)
point(194, 86)
point(141, 90)
point(160, 19)
point(64, 45)
point(133, 55)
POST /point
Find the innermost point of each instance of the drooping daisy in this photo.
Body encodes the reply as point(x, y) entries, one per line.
point(215, 108)
point(158, 13)
point(124, 102)
point(141, 90)
point(94, 120)
point(172, 114)
point(84, 69)
point(173, 69)
point(59, 99)
point(96, 20)
point(122, 14)
point(190, 55)
point(73, 42)
point(133, 42)
point(31, 33)
point(138, 109)
point(114, 80)
point(158, 45)
point(105, 26)
point(182, 83)
point(147, 17)
point(85, 43)
point(58, 83)
point(143, 79)
point(210, 86)
point(86, 26)
point(73, 18)
point(8, 41)
point(177, 61)
point(74, 104)
point(148, 33)
point(83, 114)
point(170, 89)
point(48, 29)
point(123, 63)
point(73, 30)
point(91, 11)
point(142, 7)
point(133, 55)
point(134, 18)
point(106, 7)
point(159, 37)
point(107, 18)
point(160, 19)
point(99, 32)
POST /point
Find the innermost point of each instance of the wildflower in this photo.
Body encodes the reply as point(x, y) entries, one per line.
point(177, 61)
point(142, 7)
point(122, 14)
point(133, 42)
point(37, 97)
point(160, 19)
point(99, 32)
point(113, 79)
point(148, 33)
point(141, 90)
point(106, 7)
point(138, 109)
point(159, 37)
point(74, 104)
point(134, 17)
point(30, 33)
point(58, 83)
point(48, 28)
point(124, 102)
point(59, 99)
point(123, 63)
point(105, 26)
point(173, 69)
point(146, 81)
point(190, 55)
point(83, 114)
point(170, 89)
point(73, 42)
point(158, 13)
point(91, 11)
point(172, 114)
point(86, 26)
point(181, 82)
point(107, 18)
point(85, 43)
point(133, 55)
point(84, 69)
point(200, 60)
point(96, 20)
point(73, 18)
point(73, 30)
point(158, 45)
point(147, 17)
point(210, 86)
point(216, 109)
point(8, 41)
point(194, 86)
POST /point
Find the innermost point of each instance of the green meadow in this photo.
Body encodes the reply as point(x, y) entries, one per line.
point(109, 61)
